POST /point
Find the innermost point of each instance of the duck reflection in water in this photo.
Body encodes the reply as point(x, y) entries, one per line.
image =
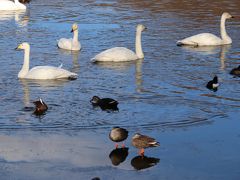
point(118, 155)
point(144, 162)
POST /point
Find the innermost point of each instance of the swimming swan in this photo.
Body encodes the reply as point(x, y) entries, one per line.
point(41, 72)
point(9, 5)
point(70, 44)
point(120, 54)
point(208, 39)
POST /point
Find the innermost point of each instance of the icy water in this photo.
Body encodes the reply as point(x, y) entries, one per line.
point(163, 96)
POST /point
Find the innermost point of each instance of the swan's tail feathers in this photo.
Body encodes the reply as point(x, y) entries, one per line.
point(60, 66)
point(72, 77)
point(189, 43)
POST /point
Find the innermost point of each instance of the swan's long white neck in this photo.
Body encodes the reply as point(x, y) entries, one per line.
point(25, 67)
point(226, 39)
point(138, 44)
point(75, 35)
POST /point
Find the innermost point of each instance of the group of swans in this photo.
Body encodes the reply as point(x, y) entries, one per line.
point(8, 5)
point(116, 54)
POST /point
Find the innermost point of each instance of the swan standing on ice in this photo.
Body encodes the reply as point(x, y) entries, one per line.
point(70, 44)
point(41, 72)
point(208, 39)
point(9, 5)
point(120, 54)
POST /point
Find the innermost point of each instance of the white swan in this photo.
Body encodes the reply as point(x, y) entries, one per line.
point(208, 39)
point(9, 5)
point(120, 54)
point(41, 72)
point(70, 44)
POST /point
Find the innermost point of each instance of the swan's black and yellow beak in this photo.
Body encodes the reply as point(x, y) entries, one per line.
point(72, 30)
point(17, 48)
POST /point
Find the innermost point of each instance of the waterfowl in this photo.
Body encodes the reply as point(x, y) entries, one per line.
point(11, 6)
point(118, 134)
point(208, 39)
point(40, 107)
point(71, 44)
point(142, 141)
point(235, 71)
point(41, 72)
point(24, 1)
point(213, 84)
point(104, 103)
point(118, 155)
point(120, 54)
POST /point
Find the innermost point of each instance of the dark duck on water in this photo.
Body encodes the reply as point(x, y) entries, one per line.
point(105, 103)
point(40, 107)
point(213, 84)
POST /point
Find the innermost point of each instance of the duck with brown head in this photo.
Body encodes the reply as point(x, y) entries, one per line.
point(40, 107)
point(142, 142)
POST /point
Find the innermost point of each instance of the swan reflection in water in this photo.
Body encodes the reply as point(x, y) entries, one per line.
point(144, 162)
point(75, 56)
point(125, 65)
point(118, 155)
point(20, 17)
point(210, 50)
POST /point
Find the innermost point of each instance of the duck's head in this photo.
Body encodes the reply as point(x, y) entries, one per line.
point(226, 15)
point(137, 135)
point(74, 27)
point(215, 79)
point(141, 27)
point(24, 45)
point(95, 100)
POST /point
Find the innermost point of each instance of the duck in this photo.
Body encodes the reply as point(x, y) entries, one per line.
point(104, 103)
point(208, 39)
point(71, 44)
point(142, 142)
point(40, 107)
point(121, 54)
point(24, 1)
point(8, 5)
point(213, 84)
point(235, 71)
point(41, 72)
point(118, 134)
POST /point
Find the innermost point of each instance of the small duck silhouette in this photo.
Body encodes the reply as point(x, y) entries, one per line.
point(142, 142)
point(118, 134)
point(104, 103)
point(235, 71)
point(40, 107)
point(213, 84)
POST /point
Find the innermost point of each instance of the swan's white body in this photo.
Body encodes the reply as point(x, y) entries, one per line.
point(41, 72)
point(121, 54)
point(208, 39)
point(71, 44)
point(11, 6)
